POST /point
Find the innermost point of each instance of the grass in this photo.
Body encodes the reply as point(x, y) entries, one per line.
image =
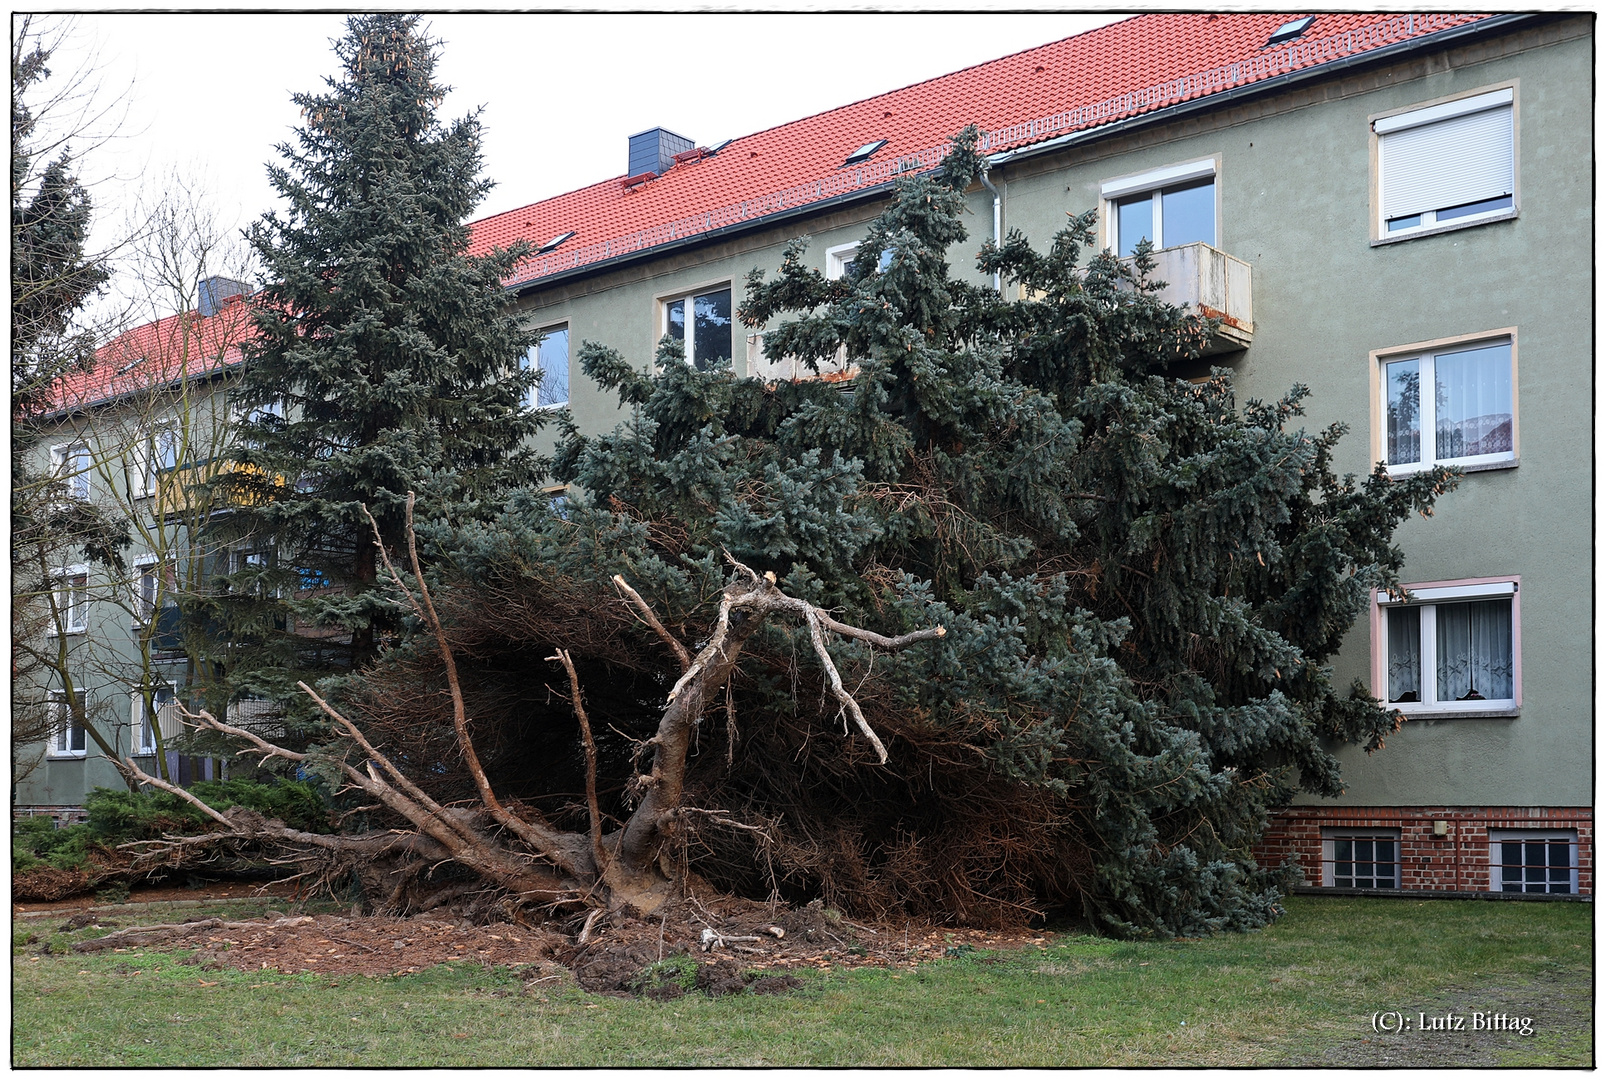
point(1284, 995)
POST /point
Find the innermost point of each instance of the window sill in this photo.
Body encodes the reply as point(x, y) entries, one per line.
point(1463, 714)
point(1450, 226)
point(1482, 466)
point(71, 755)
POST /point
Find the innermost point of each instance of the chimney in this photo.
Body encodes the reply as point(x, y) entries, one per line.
point(654, 151)
point(215, 290)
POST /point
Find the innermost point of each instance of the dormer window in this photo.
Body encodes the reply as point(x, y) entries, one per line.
point(552, 244)
point(1290, 30)
point(864, 152)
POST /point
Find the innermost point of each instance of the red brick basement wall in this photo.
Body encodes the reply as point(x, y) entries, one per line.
point(1457, 861)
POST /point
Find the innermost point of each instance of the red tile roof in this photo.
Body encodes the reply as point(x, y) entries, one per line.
point(1128, 68)
point(159, 353)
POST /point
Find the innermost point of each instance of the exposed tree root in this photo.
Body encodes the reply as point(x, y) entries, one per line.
point(511, 859)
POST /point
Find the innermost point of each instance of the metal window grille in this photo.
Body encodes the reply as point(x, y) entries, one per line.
point(1364, 862)
point(1536, 866)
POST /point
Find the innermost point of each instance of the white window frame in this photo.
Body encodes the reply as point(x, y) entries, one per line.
point(66, 469)
point(532, 359)
point(1428, 596)
point(247, 555)
point(838, 257)
point(1330, 860)
point(140, 725)
point(1506, 836)
point(147, 568)
point(1499, 96)
point(1155, 182)
point(62, 726)
point(1427, 353)
point(690, 296)
point(72, 603)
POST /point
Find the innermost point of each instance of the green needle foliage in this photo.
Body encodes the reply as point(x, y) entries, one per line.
point(1142, 579)
point(385, 360)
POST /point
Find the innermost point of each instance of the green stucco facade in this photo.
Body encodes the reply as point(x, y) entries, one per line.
point(1295, 177)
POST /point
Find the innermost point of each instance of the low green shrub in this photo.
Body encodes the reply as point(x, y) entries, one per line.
point(116, 817)
point(124, 815)
point(37, 842)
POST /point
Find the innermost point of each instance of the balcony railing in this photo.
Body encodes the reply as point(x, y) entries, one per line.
point(181, 490)
point(1211, 283)
point(789, 368)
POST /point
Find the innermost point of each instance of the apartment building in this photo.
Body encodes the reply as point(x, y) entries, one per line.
point(1373, 205)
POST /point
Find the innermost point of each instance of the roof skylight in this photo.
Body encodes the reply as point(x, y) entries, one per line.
point(1290, 30)
point(552, 244)
point(863, 153)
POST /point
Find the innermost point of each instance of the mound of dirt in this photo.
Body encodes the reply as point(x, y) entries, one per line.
point(44, 883)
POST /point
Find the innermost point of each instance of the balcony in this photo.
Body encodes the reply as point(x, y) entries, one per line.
point(790, 368)
point(1210, 283)
point(181, 491)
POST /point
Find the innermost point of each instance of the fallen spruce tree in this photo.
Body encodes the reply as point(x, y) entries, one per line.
point(721, 655)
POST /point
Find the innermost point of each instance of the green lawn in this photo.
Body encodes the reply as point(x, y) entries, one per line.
point(1300, 992)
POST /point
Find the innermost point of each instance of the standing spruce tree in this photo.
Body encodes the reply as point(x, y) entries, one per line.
point(1138, 584)
point(385, 361)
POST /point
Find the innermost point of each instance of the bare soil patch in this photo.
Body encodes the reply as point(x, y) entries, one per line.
point(756, 945)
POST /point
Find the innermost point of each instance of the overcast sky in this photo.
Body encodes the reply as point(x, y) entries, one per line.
point(209, 94)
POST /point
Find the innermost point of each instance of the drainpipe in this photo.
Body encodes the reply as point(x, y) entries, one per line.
point(998, 222)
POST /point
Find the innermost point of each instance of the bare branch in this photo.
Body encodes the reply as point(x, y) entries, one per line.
point(127, 766)
point(208, 720)
point(651, 620)
point(837, 689)
point(931, 633)
point(591, 757)
point(538, 835)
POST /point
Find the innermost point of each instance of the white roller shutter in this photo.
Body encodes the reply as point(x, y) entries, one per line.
point(1443, 163)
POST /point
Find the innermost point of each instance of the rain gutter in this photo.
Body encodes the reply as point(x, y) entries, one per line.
point(1382, 54)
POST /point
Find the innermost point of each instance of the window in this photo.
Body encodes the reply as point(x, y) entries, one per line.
point(1446, 165)
point(1468, 419)
point(550, 357)
point(269, 417)
point(554, 243)
point(1169, 207)
point(148, 590)
point(70, 464)
point(707, 333)
point(67, 733)
point(1290, 30)
point(837, 260)
point(159, 451)
point(250, 571)
point(1452, 649)
point(145, 724)
point(1361, 858)
point(865, 152)
point(1533, 860)
point(70, 587)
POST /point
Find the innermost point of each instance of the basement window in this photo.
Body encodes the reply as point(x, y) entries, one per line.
point(864, 152)
point(1533, 860)
point(1361, 858)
